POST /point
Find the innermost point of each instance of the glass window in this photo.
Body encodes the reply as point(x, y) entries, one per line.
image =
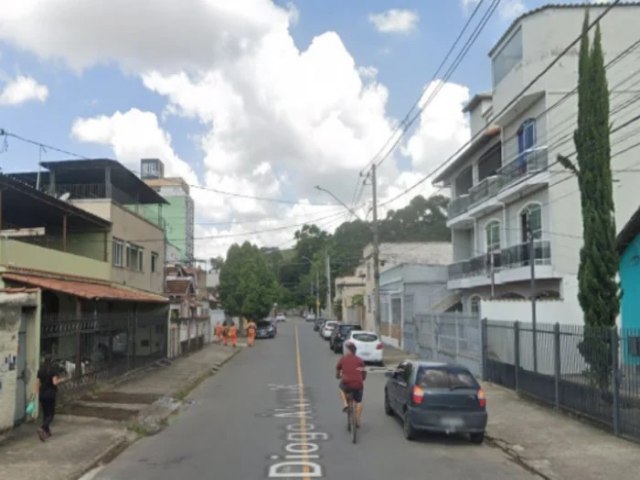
point(475, 305)
point(154, 262)
point(364, 337)
point(493, 236)
point(531, 218)
point(117, 252)
point(135, 257)
point(464, 181)
point(445, 378)
point(527, 135)
point(507, 58)
point(490, 162)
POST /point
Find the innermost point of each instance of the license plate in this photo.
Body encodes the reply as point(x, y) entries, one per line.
point(365, 354)
point(452, 422)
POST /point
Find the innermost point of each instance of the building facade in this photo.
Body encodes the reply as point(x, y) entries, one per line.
point(178, 213)
point(392, 254)
point(350, 297)
point(512, 203)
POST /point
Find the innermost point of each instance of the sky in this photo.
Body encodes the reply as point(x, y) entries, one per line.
point(252, 97)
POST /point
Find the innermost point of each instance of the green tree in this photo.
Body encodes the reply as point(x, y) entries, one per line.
point(598, 289)
point(423, 220)
point(248, 285)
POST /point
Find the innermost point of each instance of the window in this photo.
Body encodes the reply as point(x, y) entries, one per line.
point(527, 135)
point(364, 337)
point(507, 58)
point(490, 162)
point(474, 305)
point(117, 252)
point(403, 372)
point(135, 257)
point(531, 218)
point(493, 236)
point(464, 181)
point(154, 262)
point(442, 378)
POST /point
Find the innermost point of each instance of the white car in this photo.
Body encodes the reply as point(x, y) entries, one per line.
point(368, 346)
point(281, 317)
point(328, 329)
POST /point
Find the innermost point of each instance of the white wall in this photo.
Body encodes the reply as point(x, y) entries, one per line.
point(566, 311)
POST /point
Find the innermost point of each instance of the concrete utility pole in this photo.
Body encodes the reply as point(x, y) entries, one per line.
point(376, 250)
point(329, 302)
point(532, 261)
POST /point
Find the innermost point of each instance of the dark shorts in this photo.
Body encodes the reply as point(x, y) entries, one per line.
point(356, 393)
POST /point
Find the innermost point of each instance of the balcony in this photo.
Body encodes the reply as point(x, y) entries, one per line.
point(505, 260)
point(512, 178)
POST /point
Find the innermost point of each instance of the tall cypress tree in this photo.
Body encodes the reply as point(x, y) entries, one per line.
point(598, 289)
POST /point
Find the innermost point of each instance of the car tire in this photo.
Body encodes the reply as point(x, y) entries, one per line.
point(409, 431)
point(387, 405)
point(477, 438)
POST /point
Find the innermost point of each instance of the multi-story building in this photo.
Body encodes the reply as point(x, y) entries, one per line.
point(178, 214)
point(507, 188)
point(59, 297)
point(392, 254)
point(350, 296)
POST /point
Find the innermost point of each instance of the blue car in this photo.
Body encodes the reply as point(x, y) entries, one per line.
point(436, 397)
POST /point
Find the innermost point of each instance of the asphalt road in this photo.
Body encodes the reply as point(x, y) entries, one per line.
point(253, 421)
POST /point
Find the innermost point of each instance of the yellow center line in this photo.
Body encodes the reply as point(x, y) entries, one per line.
point(303, 420)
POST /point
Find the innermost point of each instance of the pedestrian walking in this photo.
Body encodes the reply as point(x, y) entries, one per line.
point(233, 335)
point(225, 334)
point(46, 390)
point(251, 333)
point(219, 332)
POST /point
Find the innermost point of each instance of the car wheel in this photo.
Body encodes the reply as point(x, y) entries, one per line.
point(477, 438)
point(409, 431)
point(387, 405)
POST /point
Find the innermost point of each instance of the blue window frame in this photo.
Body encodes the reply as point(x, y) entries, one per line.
point(526, 141)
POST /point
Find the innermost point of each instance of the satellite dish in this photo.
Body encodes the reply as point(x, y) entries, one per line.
point(64, 197)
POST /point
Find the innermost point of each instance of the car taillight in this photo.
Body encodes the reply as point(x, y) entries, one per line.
point(418, 395)
point(482, 399)
point(379, 347)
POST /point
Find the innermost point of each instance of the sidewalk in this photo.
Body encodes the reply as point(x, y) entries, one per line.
point(97, 429)
point(554, 444)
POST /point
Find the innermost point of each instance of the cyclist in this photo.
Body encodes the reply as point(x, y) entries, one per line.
point(350, 369)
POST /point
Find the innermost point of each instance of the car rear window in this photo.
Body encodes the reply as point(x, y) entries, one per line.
point(348, 328)
point(429, 377)
point(263, 324)
point(365, 337)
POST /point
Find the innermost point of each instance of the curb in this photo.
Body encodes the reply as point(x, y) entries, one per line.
point(184, 391)
point(513, 454)
point(113, 450)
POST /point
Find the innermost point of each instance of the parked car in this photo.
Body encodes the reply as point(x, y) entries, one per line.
point(265, 329)
point(281, 317)
point(436, 397)
point(339, 334)
point(327, 328)
point(317, 324)
point(368, 346)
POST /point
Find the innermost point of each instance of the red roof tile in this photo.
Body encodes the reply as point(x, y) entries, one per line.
point(88, 290)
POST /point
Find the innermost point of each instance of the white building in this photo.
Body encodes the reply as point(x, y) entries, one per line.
point(509, 178)
point(350, 293)
point(392, 254)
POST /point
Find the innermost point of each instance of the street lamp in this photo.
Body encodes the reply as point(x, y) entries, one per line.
point(376, 249)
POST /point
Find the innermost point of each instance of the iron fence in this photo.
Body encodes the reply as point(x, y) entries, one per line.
point(446, 337)
point(594, 372)
point(91, 347)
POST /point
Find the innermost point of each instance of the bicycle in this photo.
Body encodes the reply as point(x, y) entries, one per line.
point(351, 417)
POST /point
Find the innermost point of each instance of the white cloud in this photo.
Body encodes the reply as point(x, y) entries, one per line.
point(277, 119)
point(508, 9)
point(395, 21)
point(23, 89)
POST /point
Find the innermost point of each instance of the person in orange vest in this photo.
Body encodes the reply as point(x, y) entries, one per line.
point(218, 332)
point(233, 335)
point(225, 334)
point(251, 333)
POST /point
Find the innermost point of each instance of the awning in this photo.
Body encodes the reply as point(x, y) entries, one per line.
point(88, 290)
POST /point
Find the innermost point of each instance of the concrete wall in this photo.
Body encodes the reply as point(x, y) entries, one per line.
point(135, 229)
point(14, 253)
point(566, 311)
point(12, 307)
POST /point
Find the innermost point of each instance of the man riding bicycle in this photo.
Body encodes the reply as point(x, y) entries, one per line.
point(351, 370)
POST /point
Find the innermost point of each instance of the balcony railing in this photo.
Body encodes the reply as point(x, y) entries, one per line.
point(524, 164)
point(505, 259)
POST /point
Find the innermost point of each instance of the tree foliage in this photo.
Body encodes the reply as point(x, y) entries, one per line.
point(598, 289)
point(248, 284)
point(423, 220)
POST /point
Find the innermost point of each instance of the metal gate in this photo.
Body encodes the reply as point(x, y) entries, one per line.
point(21, 364)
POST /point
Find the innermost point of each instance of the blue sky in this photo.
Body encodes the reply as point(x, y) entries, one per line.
point(210, 120)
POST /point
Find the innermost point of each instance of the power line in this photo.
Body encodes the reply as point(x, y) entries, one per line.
point(509, 104)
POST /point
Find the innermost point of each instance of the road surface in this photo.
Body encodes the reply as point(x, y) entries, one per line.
point(252, 420)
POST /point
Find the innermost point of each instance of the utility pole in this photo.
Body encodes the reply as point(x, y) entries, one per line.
point(329, 302)
point(317, 294)
point(532, 261)
point(376, 249)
